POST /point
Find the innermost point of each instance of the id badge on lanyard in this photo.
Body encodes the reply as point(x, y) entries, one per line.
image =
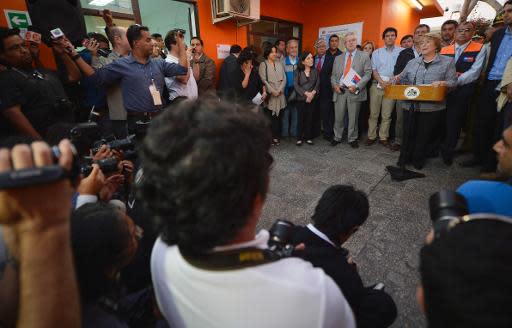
point(157, 99)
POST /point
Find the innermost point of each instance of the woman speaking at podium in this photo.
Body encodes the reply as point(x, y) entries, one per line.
point(433, 70)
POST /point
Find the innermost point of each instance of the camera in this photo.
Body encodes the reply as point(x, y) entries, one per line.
point(280, 238)
point(445, 206)
point(41, 175)
point(118, 144)
point(180, 31)
point(107, 166)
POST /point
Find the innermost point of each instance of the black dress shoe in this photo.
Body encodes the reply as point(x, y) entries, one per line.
point(470, 163)
point(327, 138)
point(335, 142)
point(354, 144)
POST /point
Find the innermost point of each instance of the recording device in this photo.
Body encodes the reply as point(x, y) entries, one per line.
point(118, 144)
point(445, 206)
point(32, 36)
point(83, 136)
point(280, 238)
point(107, 166)
point(180, 31)
point(41, 175)
point(101, 52)
point(56, 33)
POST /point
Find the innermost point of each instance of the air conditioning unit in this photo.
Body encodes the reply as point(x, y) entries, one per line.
point(243, 11)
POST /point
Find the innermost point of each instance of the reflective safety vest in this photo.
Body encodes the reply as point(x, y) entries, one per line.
point(466, 58)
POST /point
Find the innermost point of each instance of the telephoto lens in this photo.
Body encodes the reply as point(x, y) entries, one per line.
point(445, 206)
point(107, 166)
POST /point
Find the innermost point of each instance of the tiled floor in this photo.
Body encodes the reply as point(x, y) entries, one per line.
point(386, 248)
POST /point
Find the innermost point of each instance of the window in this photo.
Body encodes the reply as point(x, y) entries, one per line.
point(270, 30)
point(161, 16)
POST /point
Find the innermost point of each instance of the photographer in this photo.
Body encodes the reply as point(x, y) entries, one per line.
point(338, 215)
point(35, 222)
point(492, 196)
point(465, 274)
point(32, 99)
point(104, 241)
point(207, 188)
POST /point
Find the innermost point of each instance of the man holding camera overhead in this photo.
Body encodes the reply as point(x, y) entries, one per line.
point(31, 99)
point(140, 76)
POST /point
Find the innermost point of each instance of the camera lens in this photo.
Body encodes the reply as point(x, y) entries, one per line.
point(447, 203)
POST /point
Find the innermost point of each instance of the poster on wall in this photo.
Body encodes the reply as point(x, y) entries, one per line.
point(341, 30)
point(223, 50)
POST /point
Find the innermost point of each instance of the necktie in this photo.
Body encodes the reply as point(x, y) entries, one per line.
point(457, 53)
point(319, 64)
point(347, 66)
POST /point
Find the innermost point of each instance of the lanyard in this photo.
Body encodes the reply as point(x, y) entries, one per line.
point(37, 75)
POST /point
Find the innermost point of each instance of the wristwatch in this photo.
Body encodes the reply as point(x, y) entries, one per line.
point(75, 57)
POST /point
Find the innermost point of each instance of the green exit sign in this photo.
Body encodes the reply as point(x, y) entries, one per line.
point(17, 19)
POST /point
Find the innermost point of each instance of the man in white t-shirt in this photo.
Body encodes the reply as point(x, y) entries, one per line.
point(179, 86)
point(209, 266)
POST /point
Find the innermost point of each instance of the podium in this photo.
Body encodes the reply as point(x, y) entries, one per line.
point(415, 94)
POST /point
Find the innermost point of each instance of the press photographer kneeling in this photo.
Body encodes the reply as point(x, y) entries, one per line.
point(207, 188)
point(339, 213)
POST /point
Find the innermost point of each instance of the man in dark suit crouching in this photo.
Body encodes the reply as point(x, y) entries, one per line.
point(339, 213)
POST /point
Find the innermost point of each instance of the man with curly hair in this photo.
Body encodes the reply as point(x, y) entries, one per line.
point(206, 175)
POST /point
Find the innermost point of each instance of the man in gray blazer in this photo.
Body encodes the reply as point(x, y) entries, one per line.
point(349, 98)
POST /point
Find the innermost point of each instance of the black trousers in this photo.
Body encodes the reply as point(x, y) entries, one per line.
point(422, 139)
point(375, 310)
point(326, 108)
point(457, 106)
point(305, 120)
point(275, 122)
point(485, 135)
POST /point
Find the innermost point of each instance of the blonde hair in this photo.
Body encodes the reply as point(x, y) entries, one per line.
point(436, 37)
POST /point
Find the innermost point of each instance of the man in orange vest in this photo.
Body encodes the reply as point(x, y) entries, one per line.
point(469, 59)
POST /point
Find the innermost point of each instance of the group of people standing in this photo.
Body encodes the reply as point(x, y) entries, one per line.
point(301, 91)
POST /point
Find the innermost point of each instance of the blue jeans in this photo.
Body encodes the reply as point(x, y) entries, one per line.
point(289, 121)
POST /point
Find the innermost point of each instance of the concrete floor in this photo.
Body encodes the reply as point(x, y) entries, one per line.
point(387, 247)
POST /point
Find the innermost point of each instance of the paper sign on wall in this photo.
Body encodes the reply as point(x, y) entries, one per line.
point(223, 50)
point(341, 31)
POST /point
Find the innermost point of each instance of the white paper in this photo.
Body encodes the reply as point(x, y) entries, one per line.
point(385, 79)
point(351, 79)
point(223, 50)
point(258, 99)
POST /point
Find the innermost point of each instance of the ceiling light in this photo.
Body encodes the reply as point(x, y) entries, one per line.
point(100, 3)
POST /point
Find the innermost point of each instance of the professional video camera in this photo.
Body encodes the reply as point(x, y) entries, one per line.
point(115, 144)
point(445, 206)
point(107, 165)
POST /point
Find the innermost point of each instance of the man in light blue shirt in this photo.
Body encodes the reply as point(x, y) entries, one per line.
point(383, 63)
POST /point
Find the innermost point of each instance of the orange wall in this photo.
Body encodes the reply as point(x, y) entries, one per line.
point(227, 32)
point(46, 53)
point(400, 15)
point(339, 13)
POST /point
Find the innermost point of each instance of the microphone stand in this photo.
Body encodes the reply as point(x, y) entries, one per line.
point(401, 173)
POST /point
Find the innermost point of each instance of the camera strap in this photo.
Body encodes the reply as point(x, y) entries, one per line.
point(232, 259)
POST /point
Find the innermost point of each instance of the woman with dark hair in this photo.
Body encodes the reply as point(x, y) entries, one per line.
point(248, 87)
point(306, 83)
point(273, 76)
point(104, 240)
point(428, 69)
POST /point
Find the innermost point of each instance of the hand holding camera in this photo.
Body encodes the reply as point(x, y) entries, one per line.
point(35, 206)
point(93, 183)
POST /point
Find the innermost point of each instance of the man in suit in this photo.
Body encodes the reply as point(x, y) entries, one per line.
point(226, 70)
point(349, 97)
point(339, 213)
point(486, 115)
point(323, 64)
point(325, 104)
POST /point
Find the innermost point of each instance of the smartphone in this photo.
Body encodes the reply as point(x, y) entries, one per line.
point(56, 33)
point(181, 31)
